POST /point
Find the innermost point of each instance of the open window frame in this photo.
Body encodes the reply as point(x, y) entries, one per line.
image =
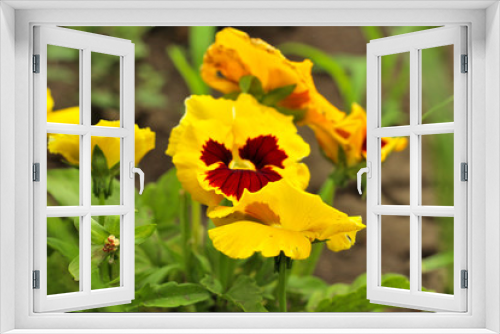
point(483, 248)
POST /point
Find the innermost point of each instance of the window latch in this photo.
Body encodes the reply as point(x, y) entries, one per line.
point(141, 176)
point(368, 171)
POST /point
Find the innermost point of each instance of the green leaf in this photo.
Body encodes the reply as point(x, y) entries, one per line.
point(98, 234)
point(74, 268)
point(232, 96)
point(112, 225)
point(251, 85)
point(64, 185)
point(66, 248)
point(97, 257)
point(298, 114)
point(212, 284)
point(101, 176)
point(342, 298)
point(189, 74)
point(200, 38)
point(144, 232)
point(157, 275)
point(155, 195)
point(436, 261)
point(246, 294)
point(172, 294)
point(305, 285)
point(277, 95)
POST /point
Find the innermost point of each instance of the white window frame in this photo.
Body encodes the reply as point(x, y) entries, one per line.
point(483, 20)
point(86, 44)
point(413, 44)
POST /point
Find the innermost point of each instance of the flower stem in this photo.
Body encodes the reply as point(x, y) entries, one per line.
point(185, 232)
point(102, 201)
point(282, 276)
point(196, 226)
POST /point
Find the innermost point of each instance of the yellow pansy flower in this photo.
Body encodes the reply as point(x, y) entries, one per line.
point(69, 146)
point(222, 147)
point(280, 218)
point(349, 134)
point(234, 55)
point(67, 116)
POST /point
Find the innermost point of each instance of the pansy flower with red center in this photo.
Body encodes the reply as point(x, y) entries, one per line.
point(280, 218)
point(222, 147)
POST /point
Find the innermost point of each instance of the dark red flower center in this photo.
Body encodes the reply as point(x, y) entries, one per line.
point(251, 170)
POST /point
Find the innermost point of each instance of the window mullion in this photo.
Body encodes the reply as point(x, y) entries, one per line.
point(414, 170)
point(85, 171)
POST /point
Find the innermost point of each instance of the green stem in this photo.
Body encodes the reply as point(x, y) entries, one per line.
point(102, 201)
point(282, 282)
point(196, 226)
point(185, 233)
point(223, 271)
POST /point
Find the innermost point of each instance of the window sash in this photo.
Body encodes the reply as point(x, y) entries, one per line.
point(87, 43)
point(413, 43)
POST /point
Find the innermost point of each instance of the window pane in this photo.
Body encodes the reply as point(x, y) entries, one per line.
point(63, 176)
point(105, 250)
point(395, 171)
point(437, 84)
point(63, 250)
point(105, 170)
point(395, 247)
point(437, 169)
point(395, 77)
point(63, 83)
point(105, 74)
point(437, 254)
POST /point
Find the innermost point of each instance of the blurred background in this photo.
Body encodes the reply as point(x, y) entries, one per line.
point(167, 72)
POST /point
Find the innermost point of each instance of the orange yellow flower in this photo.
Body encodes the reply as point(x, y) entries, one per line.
point(280, 218)
point(349, 134)
point(234, 55)
point(222, 147)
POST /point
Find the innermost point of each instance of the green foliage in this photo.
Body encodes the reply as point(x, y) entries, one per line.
point(344, 298)
point(200, 38)
point(172, 294)
point(250, 84)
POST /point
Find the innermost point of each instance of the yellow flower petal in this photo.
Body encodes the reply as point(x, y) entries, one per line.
point(344, 240)
point(50, 101)
point(66, 116)
point(282, 207)
point(242, 239)
point(234, 55)
point(69, 147)
point(66, 145)
point(392, 144)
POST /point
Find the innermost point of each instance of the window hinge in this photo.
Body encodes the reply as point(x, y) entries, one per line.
point(36, 63)
point(465, 64)
point(36, 279)
point(464, 172)
point(36, 172)
point(465, 279)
